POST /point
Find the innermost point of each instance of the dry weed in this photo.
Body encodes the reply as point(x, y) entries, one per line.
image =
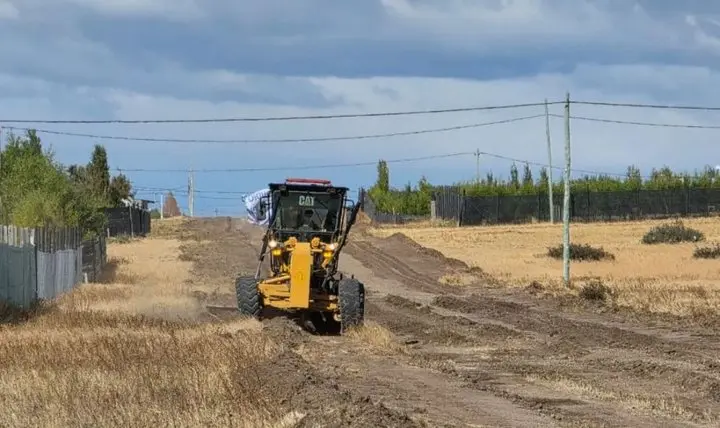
point(654, 404)
point(661, 278)
point(377, 338)
point(459, 279)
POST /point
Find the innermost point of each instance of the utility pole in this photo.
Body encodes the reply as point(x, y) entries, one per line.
point(477, 166)
point(566, 197)
point(1, 149)
point(550, 164)
point(191, 193)
point(216, 212)
point(162, 206)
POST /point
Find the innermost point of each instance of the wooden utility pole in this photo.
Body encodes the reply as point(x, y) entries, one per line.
point(191, 193)
point(566, 197)
point(550, 164)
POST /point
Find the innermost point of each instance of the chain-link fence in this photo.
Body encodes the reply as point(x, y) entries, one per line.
point(585, 206)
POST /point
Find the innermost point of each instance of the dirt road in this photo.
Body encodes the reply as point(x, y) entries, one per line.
point(469, 355)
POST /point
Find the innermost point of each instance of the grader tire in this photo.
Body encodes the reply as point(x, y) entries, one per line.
point(248, 298)
point(351, 296)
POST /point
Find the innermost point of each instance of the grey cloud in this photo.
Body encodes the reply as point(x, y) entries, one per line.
point(94, 43)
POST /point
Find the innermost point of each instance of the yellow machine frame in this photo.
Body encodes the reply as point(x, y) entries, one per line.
point(291, 289)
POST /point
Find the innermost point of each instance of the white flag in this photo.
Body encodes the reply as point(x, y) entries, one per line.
point(258, 207)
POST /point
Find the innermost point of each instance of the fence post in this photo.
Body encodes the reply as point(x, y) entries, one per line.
point(132, 226)
point(587, 190)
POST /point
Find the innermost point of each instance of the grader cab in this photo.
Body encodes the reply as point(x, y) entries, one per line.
point(308, 226)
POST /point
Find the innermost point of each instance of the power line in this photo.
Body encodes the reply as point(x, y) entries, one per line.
point(440, 156)
point(282, 140)
point(626, 122)
point(540, 164)
point(651, 106)
point(360, 115)
point(282, 118)
point(306, 167)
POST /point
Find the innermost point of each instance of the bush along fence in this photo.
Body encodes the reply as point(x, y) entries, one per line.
point(585, 206)
point(376, 216)
point(129, 221)
point(42, 264)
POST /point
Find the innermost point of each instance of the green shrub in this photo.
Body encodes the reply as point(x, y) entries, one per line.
point(709, 252)
point(672, 233)
point(581, 252)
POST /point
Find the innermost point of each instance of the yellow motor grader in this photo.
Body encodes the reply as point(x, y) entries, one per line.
point(308, 225)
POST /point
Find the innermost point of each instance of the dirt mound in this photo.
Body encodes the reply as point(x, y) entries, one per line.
point(404, 240)
point(297, 386)
point(454, 303)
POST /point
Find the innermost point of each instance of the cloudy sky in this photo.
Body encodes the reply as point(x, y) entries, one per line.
point(188, 59)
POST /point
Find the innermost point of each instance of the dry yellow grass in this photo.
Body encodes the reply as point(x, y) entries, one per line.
point(377, 339)
point(130, 354)
point(662, 278)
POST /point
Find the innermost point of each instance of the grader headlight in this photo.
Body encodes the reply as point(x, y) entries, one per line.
point(329, 250)
point(275, 248)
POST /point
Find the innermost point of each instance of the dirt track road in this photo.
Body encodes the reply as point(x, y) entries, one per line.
point(471, 355)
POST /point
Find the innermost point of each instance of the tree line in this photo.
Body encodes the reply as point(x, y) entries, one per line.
point(38, 191)
point(415, 199)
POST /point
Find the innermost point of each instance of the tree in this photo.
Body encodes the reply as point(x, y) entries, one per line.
point(514, 180)
point(383, 177)
point(35, 190)
point(98, 174)
point(120, 188)
point(527, 176)
point(170, 207)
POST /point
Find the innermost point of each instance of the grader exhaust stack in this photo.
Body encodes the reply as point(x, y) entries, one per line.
point(307, 228)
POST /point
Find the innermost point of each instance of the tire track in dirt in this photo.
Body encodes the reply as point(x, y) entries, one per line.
point(386, 263)
point(595, 360)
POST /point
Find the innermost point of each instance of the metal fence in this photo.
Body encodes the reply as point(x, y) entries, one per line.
point(585, 206)
point(42, 264)
point(376, 216)
point(130, 221)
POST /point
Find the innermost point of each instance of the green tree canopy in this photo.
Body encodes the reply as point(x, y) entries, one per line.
point(36, 190)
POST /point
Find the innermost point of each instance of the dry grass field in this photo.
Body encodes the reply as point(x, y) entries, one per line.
point(133, 351)
point(657, 278)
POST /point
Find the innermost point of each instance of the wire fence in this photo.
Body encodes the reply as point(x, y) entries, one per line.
point(127, 221)
point(585, 206)
point(42, 263)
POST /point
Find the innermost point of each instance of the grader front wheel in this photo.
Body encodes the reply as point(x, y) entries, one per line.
point(248, 298)
point(351, 296)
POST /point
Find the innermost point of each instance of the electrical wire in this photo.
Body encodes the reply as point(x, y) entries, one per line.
point(402, 160)
point(284, 118)
point(649, 106)
point(282, 140)
point(626, 122)
point(360, 115)
point(295, 167)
